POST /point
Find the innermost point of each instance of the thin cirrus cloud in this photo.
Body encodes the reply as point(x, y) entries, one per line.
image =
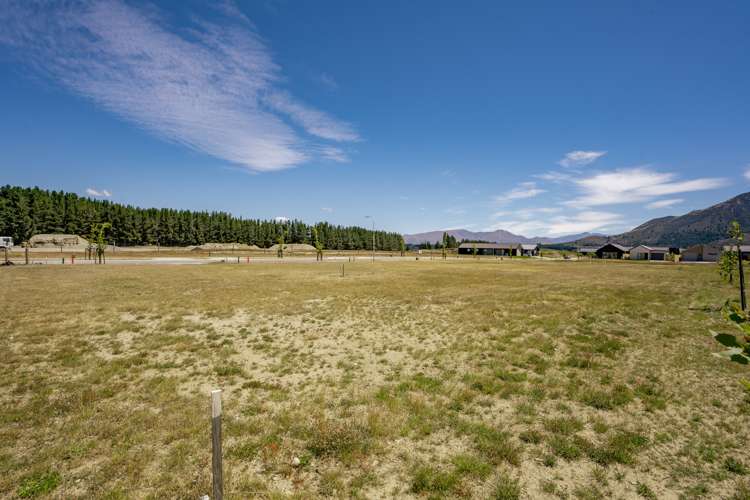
point(584, 221)
point(213, 87)
point(635, 185)
point(580, 158)
point(520, 192)
point(98, 193)
point(664, 203)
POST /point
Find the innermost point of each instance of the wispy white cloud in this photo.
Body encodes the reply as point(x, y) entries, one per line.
point(522, 191)
point(635, 185)
point(313, 121)
point(334, 153)
point(585, 221)
point(98, 193)
point(527, 213)
point(327, 81)
point(213, 87)
point(580, 158)
point(555, 176)
point(664, 203)
point(747, 172)
point(327, 209)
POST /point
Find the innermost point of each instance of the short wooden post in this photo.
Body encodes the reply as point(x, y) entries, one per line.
point(216, 466)
point(27, 254)
point(342, 270)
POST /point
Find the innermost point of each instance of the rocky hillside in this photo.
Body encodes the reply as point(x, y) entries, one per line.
point(699, 226)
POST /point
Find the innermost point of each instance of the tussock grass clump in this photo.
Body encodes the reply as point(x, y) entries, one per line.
point(426, 479)
point(506, 488)
point(494, 445)
point(619, 448)
point(563, 425)
point(39, 484)
point(619, 395)
point(340, 439)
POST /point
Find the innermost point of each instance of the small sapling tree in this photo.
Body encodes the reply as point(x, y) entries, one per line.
point(445, 244)
point(97, 236)
point(402, 247)
point(728, 265)
point(280, 243)
point(318, 244)
point(735, 232)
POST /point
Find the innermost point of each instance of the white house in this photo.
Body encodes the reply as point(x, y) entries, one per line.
point(643, 252)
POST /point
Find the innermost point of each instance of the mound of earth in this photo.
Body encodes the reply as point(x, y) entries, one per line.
point(294, 247)
point(57, 240)
point(224, 246)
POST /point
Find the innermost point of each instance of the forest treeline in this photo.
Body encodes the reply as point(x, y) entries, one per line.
point(25, 212)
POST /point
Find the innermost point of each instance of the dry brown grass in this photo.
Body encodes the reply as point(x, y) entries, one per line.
point(406, 379)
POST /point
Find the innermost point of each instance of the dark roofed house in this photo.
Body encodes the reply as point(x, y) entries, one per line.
point(467, 248)
point(611, 251)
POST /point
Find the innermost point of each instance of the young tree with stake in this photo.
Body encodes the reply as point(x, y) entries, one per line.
point(318, 244)
point(97, 236)
point(735, 232)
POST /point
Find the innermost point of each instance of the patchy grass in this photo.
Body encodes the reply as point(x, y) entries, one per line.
point(473, 378)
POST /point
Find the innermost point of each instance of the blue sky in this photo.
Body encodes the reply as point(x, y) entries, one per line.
point(544, 120)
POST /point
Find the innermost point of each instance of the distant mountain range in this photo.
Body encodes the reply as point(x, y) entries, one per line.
point(708, 225)
point(499, 236)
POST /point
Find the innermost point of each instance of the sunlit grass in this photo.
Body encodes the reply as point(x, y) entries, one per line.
point(484, 379)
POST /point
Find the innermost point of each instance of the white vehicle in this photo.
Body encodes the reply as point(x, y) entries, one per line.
point(6, 242)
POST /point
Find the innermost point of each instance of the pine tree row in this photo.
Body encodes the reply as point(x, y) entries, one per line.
point(25, 212)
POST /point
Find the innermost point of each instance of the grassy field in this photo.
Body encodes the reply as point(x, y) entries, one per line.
point(480, 379)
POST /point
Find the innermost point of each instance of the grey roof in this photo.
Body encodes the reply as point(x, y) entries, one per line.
point(588, 249)
point(616, 245)
point(743, 248)
point(498, 246)
point(529, 246)
point(652, 249)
